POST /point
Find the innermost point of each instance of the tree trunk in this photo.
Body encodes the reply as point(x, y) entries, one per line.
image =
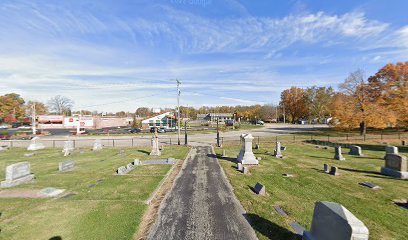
point(363, 128)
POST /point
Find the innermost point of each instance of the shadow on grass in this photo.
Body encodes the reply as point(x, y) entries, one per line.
point(359, 171)
point(270, 229)
point(386, 177)
point(55, 238)
point(222, 158)
point(144, 151)
point(328, 158)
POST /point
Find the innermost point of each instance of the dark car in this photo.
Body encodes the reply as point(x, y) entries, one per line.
point(135, 130)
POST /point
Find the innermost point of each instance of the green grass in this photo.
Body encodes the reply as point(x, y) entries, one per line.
point(297, 195)
point(111, 209)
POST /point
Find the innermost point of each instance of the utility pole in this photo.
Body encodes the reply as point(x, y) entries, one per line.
point(79, 123)
point(178, 111)
point(284, 117)
point(185, 133)
point(33, 120)
point(218, 134)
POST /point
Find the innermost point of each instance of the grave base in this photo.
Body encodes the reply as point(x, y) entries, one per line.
point(26, 179)
point(34, 147)
point(394, 173)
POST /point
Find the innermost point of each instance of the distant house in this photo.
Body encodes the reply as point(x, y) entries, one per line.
point(164, 120)
point(212, 117)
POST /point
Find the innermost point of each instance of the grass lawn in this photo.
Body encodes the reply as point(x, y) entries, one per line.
point(297, 195)
point(105, 206)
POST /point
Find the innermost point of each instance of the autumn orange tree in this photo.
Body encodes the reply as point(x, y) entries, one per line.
point(389, 87)
point(11, 107)
point(356, 106)
point(293, 102)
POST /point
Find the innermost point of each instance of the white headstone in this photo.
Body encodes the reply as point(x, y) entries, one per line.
point(332, 221)
point(136, 162)
point(68, 147)
point(35, 144)
point(338, 155)
point(66, 165)
point(17, 174)
point(97, 145)
point(246, 156)
point(277, 152)
point(122, 170)
point(239, 167)
point(355, 150)
point(155, 146)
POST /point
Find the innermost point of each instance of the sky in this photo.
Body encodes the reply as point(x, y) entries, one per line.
point(120, 55)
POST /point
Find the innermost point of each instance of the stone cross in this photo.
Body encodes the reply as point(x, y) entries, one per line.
point(277, 152)
point(355, 150)
point(17, 173)
point(333, 221)
point(395, 166)
point(155, 145)
point(338, 155)
point(246, 156)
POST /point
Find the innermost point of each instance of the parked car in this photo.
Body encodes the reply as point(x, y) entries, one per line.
point(135, 130)
point(260, 122)
point(3, 127)
point(161, 130)
point(4, 136)
point(24, 127)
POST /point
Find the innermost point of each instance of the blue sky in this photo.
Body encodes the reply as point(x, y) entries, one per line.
point(124, 54)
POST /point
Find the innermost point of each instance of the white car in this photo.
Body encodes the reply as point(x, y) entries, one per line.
point(3, 127)
point(24, 127)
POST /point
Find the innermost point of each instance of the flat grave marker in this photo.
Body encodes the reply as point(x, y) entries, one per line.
point(260, 189)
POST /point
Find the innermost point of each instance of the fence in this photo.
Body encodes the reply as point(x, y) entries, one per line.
point(88, 142)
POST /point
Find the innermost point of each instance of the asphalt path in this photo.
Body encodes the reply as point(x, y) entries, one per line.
point(201, 204)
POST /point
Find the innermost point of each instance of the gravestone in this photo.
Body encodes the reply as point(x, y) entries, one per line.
point(246, 156)
point(171, 160)
point(258, 158)
point(245, 170)
point(3, 148)
point(28, 154)
point(326, 168)
point(260, 189)
point(287, 175)
point(130, 166)
point(355, 150)
point(136, 162)
point(35, 144)
point(338, 155)
point(239, 167)
point(395, 166)
point(97, 145)
point(16, 174)
point(155, 146)
point(66, 165)
point(51, 192)
point(223, 153)
point(390, 149)
point(277, 152)
point(257, 147)
point(334, 171)
point(68, 145)
point(121, 170)
point(403, 142)
point(283, 148)
point(370, 185)
point(332, 221)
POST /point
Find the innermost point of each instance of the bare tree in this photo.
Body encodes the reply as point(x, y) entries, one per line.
point(60, 104)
